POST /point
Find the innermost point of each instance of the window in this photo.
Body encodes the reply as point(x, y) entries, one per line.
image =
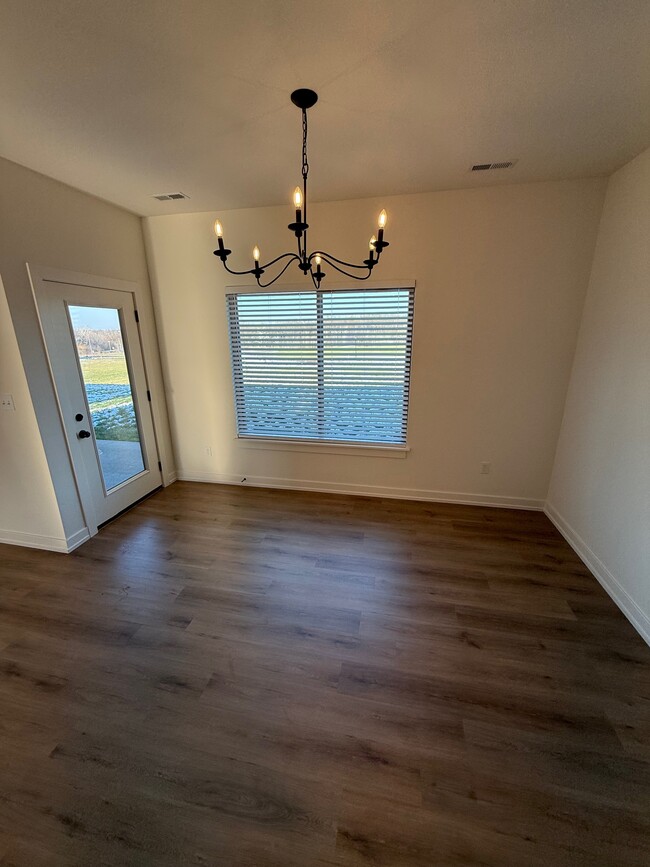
point(327, 365)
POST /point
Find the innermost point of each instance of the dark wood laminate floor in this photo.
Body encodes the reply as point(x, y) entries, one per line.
point(247, 678)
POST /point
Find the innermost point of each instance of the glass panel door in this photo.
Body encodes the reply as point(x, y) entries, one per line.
point(92, 337)
point(99, 342)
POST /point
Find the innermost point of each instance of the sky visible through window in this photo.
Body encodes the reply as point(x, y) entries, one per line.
point(99, 318)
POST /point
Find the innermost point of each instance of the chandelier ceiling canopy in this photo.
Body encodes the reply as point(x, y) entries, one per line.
point(309, 262)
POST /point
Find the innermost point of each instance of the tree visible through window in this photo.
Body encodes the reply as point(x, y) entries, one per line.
point(322, 365)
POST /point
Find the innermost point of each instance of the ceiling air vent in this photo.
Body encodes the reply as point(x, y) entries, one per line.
point(484, 167)
point(167, 197)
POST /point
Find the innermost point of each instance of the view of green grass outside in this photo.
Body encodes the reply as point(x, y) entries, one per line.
point(109, 396)
point(105, 370)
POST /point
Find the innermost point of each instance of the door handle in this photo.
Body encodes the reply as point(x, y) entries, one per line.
point(83, 434)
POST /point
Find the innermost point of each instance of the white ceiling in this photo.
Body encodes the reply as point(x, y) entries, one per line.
point(128, 98)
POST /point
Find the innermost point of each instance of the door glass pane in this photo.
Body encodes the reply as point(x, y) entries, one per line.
point(100, 346)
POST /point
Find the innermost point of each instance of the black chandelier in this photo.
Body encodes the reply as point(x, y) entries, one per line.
point(309, 263)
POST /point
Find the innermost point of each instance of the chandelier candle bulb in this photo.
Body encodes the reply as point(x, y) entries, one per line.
point(218, 231)
point(319, 273)
point(297, 200)
point(383, 216)
point(256, 255)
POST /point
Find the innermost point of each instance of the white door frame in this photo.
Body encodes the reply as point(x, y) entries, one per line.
point(40, 277)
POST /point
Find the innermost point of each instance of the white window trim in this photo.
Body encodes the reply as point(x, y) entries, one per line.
point(302, 287)
point(278, 444)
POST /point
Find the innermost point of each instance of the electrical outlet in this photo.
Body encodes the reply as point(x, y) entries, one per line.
point(7, 402)
point(486, 466)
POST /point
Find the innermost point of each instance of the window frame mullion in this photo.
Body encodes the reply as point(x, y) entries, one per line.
point(320, 365)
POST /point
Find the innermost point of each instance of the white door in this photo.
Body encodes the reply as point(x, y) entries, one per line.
point(93, 344)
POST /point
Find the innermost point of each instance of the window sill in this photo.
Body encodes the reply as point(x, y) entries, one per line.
point(332, 448)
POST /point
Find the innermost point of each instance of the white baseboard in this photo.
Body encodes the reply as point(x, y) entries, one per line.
point(634, 613)
point(33, 540)
point(498, 501)
point(169, 479)
point(44, 543)
point(77, 539)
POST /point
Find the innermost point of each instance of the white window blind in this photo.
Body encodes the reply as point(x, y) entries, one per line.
point(322, 365)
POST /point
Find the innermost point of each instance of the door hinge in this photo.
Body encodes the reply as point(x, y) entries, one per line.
point(148, 395)
point(160, 466)
point(137, 316)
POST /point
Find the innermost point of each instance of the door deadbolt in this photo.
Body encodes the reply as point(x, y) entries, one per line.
point(79, 417)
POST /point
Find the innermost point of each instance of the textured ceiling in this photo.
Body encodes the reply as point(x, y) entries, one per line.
point(128, 98)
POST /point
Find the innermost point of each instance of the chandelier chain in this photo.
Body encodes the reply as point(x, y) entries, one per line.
point(305, 164)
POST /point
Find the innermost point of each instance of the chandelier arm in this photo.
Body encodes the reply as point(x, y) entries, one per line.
point(238, 273)
point(291, 256)
point(277, 277)
point(347, 273)
point(333, 259)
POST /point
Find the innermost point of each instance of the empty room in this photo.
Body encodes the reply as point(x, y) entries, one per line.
point(324, 433)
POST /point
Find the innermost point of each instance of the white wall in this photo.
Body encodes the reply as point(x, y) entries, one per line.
point(47, 223)
point(600, 489)
point(501, 276)
point(23, 467)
